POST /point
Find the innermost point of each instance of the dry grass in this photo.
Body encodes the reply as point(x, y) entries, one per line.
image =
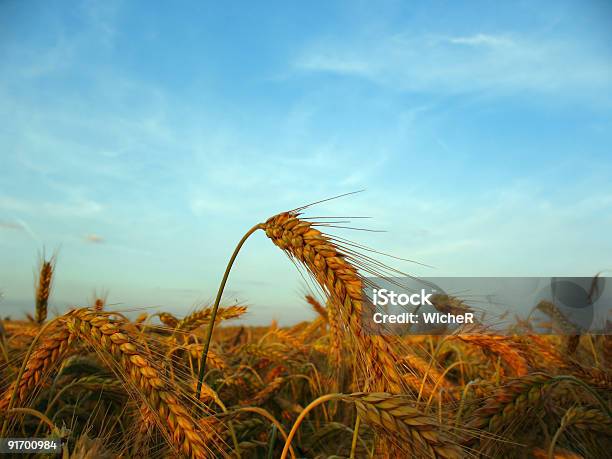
point(115, 387)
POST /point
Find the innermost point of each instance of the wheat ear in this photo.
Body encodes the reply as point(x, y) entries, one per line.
point(43, 288)
point(412, 433)
point(41, 360)
point(582, 418)
point(106, 336)
point(340, 280)
point(338, 277)
point(198, 318)
point(502, 346)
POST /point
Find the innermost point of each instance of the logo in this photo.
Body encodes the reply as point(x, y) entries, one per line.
point(384, 297)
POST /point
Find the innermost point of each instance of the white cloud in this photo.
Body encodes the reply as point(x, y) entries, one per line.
point(102, 18)
point(73, 208)
point(10, 204)
point(336, 63)
point(482, 40)
point(443, 64)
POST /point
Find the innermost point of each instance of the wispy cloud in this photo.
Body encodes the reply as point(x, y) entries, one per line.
point(480, 39)
point(102, 18)
point(106, 144)
point(20, 226)
point(73, 208)
point(436, 63)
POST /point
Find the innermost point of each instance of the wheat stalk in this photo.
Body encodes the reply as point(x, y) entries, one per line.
point(410, 432)
point(450, 304)
point(42, 359)
point(582, 418)
point(168, 319)
point(545, 354)
point(106, 336)
point(198, 318)
point(588, 419)
point(43, 288)
point(500, 345)
point(395, 415)
point(509, 401)
point(262, 396)
point(563, 323)
point(339, 278)
point(318, 307)
point(427, 375)
point(335, 344)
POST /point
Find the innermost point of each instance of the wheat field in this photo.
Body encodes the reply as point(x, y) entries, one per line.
point(109, 384)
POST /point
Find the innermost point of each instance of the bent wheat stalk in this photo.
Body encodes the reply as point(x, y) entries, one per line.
point(36, 363)
point(126, 356)
point(339, 279)
point(213, 313)
point(35, 413)
point(519, 395)
point(582, 418)
point(393, 416)
point(106, 337)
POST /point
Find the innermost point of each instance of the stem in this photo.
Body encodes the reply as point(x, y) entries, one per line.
point(54, 401)
point(551, 448)
point(230, 425)
point(272, 442)
point(303, 414)
point(213, 316)
point(34, 413)
point(588, 388)
point(442, 377)
point(462, 402)
point(3, 344)
point(553, 442)
point(269, 417)
point(592, 345)
point(355, 437)
point(431, 362)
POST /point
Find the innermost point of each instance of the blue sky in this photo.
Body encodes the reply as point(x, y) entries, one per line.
point(143, 141)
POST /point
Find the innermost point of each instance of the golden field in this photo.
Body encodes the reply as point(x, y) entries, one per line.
point(113, 386)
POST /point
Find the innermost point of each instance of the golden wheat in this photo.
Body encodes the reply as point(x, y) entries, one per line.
point(125, 388)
